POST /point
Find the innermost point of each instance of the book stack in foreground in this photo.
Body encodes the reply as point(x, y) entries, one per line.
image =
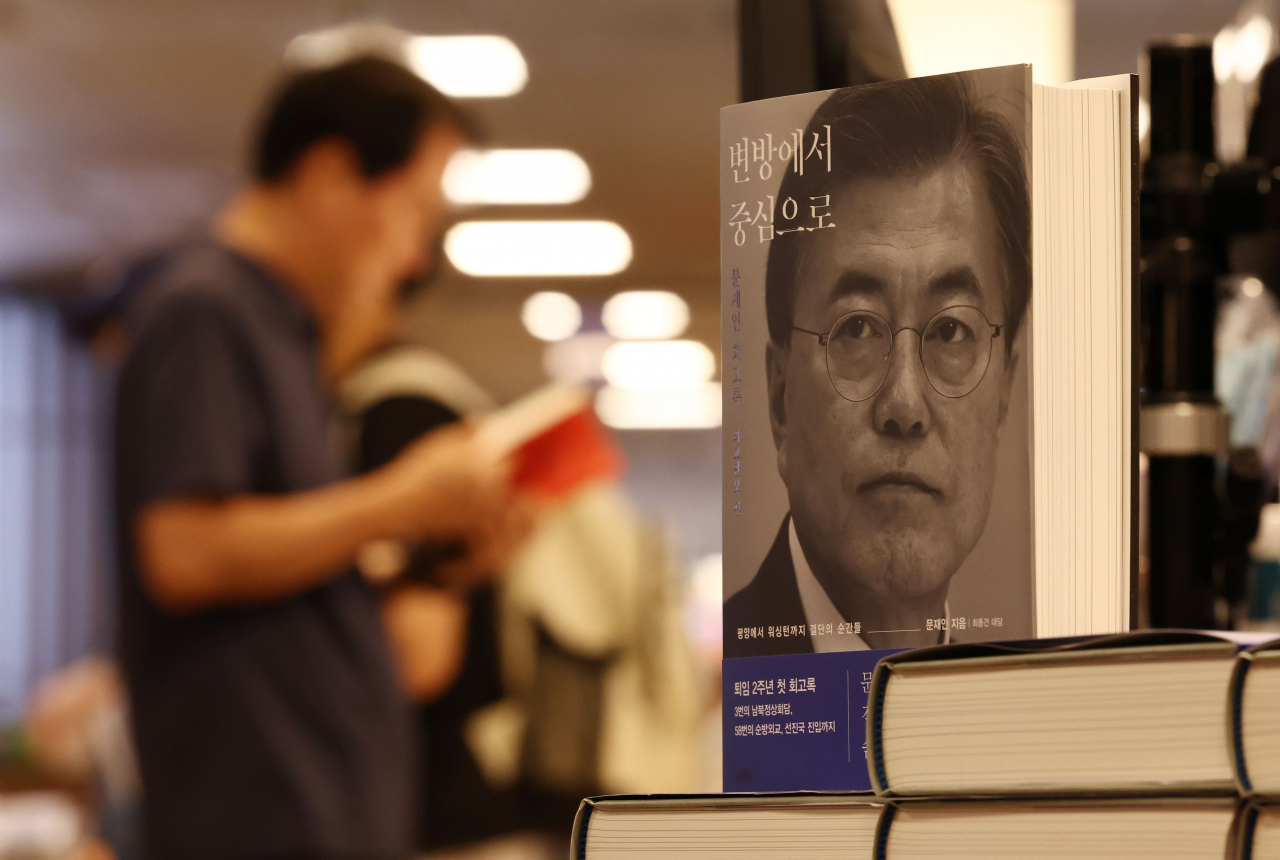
point(1163, 744)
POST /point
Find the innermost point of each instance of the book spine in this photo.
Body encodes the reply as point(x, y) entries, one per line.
point(578, 836)
point(882, 831)
point(1235, 726)
point(875, 725)
point(1245, 826)
point(1135, 334)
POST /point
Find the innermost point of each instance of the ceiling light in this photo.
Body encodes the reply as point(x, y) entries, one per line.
point(513, 176)
point(660, 408)
point(940, 36)
point(321, 48)
point(1253, 47)
point(659, 364)
point(707, 577)
point(468, 66)
point(551, 316)
point(538, 248)
point(577, 359)
point(1224, 61)
point(646, 314)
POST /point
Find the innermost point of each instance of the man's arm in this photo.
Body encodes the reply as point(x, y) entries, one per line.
point(427, 628)
point(197, 553)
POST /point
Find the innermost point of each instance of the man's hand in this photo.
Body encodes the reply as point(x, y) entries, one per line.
point(446, 486)
point(490, 545)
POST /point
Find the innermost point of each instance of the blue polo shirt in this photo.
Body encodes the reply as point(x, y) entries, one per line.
point(277, 729)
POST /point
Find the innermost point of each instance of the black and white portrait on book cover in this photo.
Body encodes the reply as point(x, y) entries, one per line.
point(875, 285)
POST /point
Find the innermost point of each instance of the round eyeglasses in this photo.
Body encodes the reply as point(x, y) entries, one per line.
point(955, 349)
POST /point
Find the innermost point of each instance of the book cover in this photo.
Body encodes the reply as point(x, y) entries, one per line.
point(877, 438)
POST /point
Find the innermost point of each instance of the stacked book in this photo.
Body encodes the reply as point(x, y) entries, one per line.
point(1163, 744)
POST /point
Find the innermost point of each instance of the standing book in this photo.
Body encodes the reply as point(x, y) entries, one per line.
point(929, 398)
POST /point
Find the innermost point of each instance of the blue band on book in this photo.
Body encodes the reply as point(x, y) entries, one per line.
point(877, 725)
point(1246, 834)
point(882, 831)
point(1237, 721)
point(582, 830)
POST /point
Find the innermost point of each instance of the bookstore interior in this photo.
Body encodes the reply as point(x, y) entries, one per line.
point(1025, 250)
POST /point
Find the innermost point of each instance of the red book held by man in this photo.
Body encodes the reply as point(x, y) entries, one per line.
point(558, 444)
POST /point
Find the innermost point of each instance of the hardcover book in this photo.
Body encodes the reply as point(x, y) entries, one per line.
point(717, 826)
point(822, 826)
point(929, 391)
point(1203, 828)
point(1252, 706)
point(1132, 713)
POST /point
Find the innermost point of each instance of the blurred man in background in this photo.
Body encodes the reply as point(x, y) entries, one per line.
point(568, 677)
point(267, 714)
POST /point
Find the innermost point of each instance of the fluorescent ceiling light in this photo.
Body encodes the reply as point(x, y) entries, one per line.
point(1241, 52)
point(320, 48)
point(551, 316)
point(538, 248)
point(659, 408)
point(514, 176)
point(707, 577)
point(940, 36)
point(577, 359)
point(468, 66)
point(646, 314)
point(659, 364)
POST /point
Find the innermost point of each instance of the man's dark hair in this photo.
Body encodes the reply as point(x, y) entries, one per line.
point(378, 106)
point(906, 128)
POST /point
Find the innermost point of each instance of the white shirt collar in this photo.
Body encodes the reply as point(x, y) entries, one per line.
point(819, 610)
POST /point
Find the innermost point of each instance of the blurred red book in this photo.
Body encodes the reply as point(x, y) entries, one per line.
point(558, 444)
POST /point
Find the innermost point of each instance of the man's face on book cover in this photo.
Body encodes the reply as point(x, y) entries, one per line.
point(890, 493)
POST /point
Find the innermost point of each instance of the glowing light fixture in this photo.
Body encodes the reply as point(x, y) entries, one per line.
point(1241, 52)
point(551, 316)
point(945, 36)
point(538, 248)
point(660, 408)
point(659, 364)
point(646, 314)
point(458, 66)
point(577, 359)
point(514, 176)
point(322, 47)
point(468, 66)
point(703, 613)
point(707, 577)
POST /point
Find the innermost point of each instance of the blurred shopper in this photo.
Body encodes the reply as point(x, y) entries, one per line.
point(444, 639)
point(78, 724)
point(268, 718)
point(573, 674)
